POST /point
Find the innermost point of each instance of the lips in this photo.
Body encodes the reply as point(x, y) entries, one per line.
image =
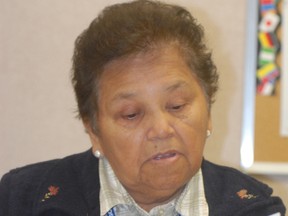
point(163, 156)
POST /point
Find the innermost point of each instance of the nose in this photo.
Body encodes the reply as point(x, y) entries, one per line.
point(160, 126)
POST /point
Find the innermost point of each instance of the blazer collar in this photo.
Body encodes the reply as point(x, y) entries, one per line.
point(71, 186)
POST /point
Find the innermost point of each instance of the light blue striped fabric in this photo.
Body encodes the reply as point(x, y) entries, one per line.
point(115, 200)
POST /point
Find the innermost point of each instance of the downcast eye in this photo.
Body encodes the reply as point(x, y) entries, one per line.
point(176, 107)
point(131, 116)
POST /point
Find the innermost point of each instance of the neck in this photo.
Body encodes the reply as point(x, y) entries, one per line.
point(148, 202)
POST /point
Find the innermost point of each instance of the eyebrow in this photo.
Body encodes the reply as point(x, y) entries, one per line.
point(176, 86)
point(129, 95)
point(123, 95)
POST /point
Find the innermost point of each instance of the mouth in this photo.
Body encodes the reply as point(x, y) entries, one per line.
point(165, 155)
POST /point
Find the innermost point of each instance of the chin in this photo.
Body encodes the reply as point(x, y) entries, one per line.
point(172, 181)
point(167, 176)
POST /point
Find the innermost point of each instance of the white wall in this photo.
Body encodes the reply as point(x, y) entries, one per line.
point(36, 98)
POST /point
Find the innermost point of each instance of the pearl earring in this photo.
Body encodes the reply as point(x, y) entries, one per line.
point(208, 133)
point(97, 154)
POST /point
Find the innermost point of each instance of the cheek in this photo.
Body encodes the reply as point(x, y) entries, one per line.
point(121, 146)
point(193, 139)
point(121, 155)
point(195, 124)
point(193, 145)
point(192, 132)
point(124, 155)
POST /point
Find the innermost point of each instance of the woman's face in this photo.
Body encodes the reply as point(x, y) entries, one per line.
point(152, 120)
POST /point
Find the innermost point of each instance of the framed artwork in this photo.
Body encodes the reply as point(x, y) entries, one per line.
point(264, 145)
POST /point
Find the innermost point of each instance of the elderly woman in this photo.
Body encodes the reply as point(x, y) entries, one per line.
point(144, 82)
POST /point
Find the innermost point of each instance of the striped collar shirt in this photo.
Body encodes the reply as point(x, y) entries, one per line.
point(116, 201)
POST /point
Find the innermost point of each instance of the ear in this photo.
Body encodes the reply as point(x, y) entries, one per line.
point(94, 138)
point(209, 123)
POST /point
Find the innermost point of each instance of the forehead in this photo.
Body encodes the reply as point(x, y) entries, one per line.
point(164, 67)
point(168, 58)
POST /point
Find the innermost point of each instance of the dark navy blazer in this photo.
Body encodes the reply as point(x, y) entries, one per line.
point(70, 187)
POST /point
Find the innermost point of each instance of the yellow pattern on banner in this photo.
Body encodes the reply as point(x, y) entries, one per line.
point(265, 70)
point(264, 40)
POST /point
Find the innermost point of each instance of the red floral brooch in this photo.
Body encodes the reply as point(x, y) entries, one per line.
point(53, 191)
point(243, 194)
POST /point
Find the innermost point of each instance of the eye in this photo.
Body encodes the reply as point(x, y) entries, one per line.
point(131, 116)
point(175, 108)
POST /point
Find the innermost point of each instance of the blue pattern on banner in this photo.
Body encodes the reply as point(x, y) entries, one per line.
point(267, 7)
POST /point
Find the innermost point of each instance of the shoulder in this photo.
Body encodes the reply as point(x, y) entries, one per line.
point(20, 186)
point(33, 173)
point(231, 192)
point(227, 178)
point(28, 173)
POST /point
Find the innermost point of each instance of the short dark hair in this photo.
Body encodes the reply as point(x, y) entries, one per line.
point(131, 28)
